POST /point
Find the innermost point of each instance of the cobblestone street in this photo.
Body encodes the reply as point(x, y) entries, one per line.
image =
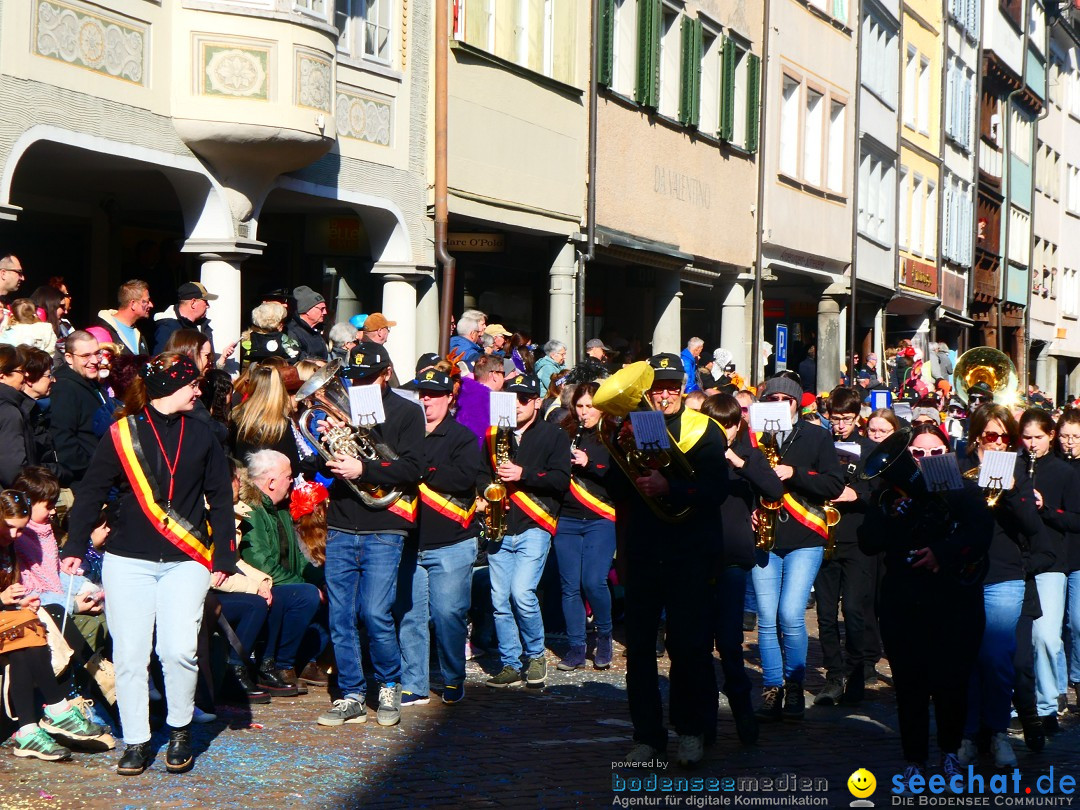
point(518, 748)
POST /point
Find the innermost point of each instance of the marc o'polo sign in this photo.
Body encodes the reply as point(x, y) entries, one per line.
point(476, 242)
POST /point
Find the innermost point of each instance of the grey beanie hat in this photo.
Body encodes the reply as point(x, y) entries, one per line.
point(783, 385)
point(306, 298)
point(931, 413)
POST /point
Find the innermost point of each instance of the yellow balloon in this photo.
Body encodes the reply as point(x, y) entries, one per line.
point(861, 783)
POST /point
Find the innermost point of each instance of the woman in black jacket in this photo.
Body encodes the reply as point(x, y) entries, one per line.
point(1068, 437)
point(161, 560)
point(16, 433)
point(585, 541)
point(748, 475)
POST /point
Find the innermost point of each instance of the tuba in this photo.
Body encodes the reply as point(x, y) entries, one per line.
point(496, 493)
point(325, 392)
point(618, 395)
point(989, 366)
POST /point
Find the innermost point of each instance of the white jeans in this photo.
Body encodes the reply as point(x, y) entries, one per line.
point(140, 596)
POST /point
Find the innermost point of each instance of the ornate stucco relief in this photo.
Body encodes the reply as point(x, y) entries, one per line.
point(240, 69)
point(364, 116)
point(314, 85)
point(91, 40)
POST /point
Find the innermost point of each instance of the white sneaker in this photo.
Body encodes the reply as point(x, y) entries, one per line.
point(950, 767)
point(642, 754)
point(1004, 757)
point(912, 770)
point(199, 716)
point(691, 749)
point(968, 753)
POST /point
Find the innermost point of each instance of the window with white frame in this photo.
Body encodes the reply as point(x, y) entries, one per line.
point(364, 29)
point(877, 187)
point(790, 102)
point(915, 240)
point(625, 47)
point(924, 95)
point(479, 23)
point(539, 35)
point(930, 226)
point(905, 207)
point(1070, 293)
point(835, 170)
point(813, 128)
point(956, 229)
point(740, 85)
point(960, 103)
point(1020, 137)
point(1019, 236)
point(965, 13)
point(911, 77)
point(316, 8)
point(878, 56)
point(670, 52)
point(1057, 80)
point(711, 72)
point(1072, 189)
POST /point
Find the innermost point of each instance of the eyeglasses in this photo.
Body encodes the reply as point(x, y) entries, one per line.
point(925, 420)
point(525, 399)
point(849, 419)
point(88, 355)
point(919, 452)
point(778, 398)
point(19, 273)
point(1068, 438)
point(990, 436)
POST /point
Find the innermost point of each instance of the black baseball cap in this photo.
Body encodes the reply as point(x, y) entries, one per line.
point(427, 361)
point(666, 366)
point(367, 360)
point(432, 380)
point(193, 290)
point(523, 384)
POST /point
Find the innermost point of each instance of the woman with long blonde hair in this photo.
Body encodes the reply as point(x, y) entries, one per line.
point(263, 420)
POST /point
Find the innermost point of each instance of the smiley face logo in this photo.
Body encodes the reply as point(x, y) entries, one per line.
point(519, 380)
point(430, 375)
point(664, 362)
point(861, 783)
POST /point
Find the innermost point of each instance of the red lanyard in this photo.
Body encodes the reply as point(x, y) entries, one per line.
point(171, 467)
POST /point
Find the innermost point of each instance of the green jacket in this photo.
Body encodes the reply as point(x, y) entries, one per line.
point(268, 542)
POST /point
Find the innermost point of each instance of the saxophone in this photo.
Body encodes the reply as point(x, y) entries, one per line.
point(766, 528)
point(832, 517)
point(496, 493)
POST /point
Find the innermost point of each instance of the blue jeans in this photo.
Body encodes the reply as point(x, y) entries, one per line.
point(246, 614)
point(434, 584)
point(1072, 619)
point(1046, 635)
point(991, 689)
point(144, 596)
point(515, 564)
point(782, 582)
point(361, 578)
point(292, 609)
point(68, 584)
point(585, 549)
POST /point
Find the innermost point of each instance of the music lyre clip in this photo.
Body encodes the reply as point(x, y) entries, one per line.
point(772, 425)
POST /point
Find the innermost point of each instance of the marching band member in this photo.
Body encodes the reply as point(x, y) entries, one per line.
point(537, 474)
point(669, 568)
point(363, 548)
point(811, 473)
point(1068, 436)
point(435, 578)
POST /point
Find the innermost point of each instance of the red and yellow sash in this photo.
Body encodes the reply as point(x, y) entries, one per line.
point(169, 525)
point(405, 507)
point(801, 513)
point(535, 510)
point(446, 507)
point(590, 501)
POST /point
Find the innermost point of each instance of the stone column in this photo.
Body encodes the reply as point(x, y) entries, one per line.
point(667, 334)
point(733, 327)
point(828, 343)
point(347, 302)
point(220, 274)
point(399, 304)
point(427, 315)
point(561, 295)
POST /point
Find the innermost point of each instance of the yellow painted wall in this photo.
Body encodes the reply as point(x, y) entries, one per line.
point(923, 30)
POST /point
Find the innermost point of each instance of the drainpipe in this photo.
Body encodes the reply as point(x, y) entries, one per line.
point(943, 108)
point(976, 156)
point(759, 303)
point(855, 204)
point(442, 255)
point(586, 256)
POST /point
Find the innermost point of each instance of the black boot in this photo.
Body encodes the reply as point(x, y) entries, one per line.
point(245, 687)
point(832, 692)
point(771, 705)
point(135, 760)
point(1034, 733)
point(855, 689)
point(270, 679)
point(178, 758)
point(794, 701)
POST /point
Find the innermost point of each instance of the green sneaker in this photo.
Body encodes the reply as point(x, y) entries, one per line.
point(41, 746)
point(72, 724)
point(509, 676)
point(536, 672)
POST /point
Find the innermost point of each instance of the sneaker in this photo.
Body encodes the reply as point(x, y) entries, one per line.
point(968, 753)
point(410, 699)
point(573, 659)
point(389, 712)
point(643, 755)
point(950, 767)
point(691, 750)
point(71, 724)
point(536, 671)
point(831, 694)
point(1004, 758)
point(771, 705)
point(347, 710)
point(602, 656)
point(913, 769)
point(794, 701)
point(40, 745)
point(508, 676)
point(453, 694)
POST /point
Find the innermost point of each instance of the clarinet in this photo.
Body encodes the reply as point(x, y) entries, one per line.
point(577, 436)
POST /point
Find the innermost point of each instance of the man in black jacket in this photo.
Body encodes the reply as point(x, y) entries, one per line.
point(192, 304)
point(846, 571)
point(303, 326)
point(80, 409)
point(364, 543)
point(435, 578)
point(536, 475)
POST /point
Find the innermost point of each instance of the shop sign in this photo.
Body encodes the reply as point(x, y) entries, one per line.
point(953, 290)
point(336, 236)
point(919, 276)
point(476, 242)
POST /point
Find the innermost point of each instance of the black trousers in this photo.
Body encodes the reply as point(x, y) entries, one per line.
point(871, 631)
point(932, 631)
point(30, 668)
point(847, 579)
point(681, 590)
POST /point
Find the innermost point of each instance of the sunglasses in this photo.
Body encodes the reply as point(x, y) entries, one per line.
point(778, 398)
point(990, 436)
point(919, 452)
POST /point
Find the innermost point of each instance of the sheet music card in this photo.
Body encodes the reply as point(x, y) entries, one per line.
point(503, 409)
point(942, 473)
point(770, 417)
point(366, 405)
point(650, 430)
point(997, 470)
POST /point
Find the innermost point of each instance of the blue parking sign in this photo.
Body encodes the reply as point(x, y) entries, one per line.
point(781, 346)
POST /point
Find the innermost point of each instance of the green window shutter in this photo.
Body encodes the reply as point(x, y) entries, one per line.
point(643, 86)
point(727, 89)
point(686, 79)
point(753, 100)
point(606, 58)
point(654, 52)
point(695, 73)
